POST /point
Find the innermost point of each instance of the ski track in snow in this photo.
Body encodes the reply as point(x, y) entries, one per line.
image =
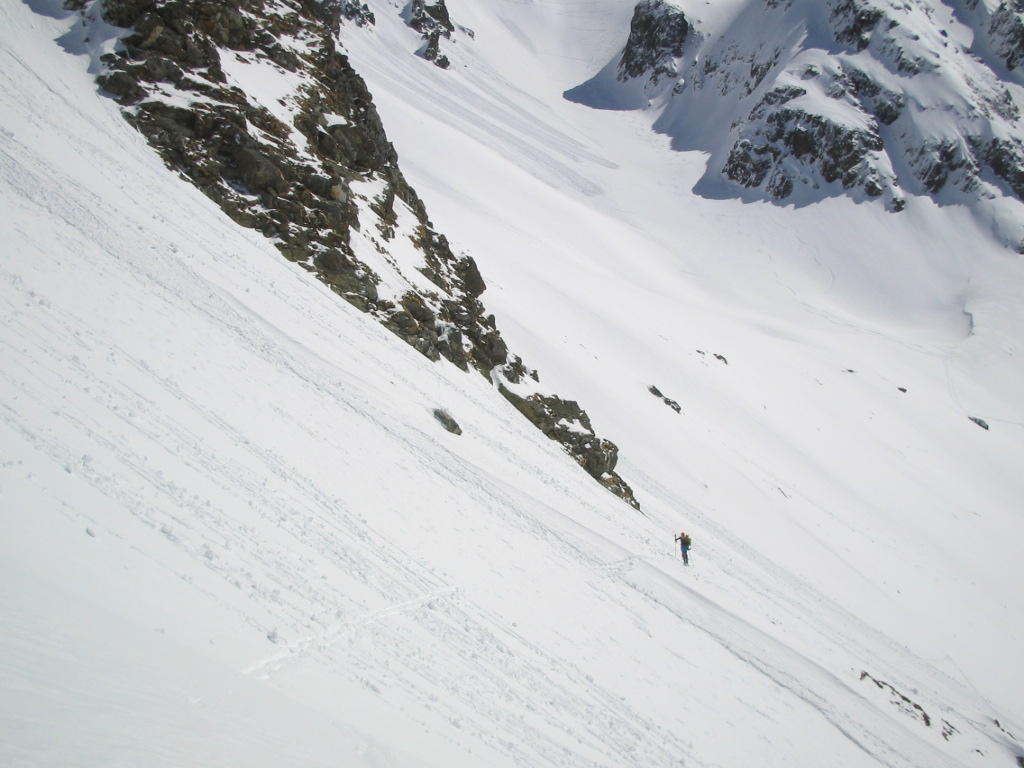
point(200, 529)
point(320, 643)
point(493, 675)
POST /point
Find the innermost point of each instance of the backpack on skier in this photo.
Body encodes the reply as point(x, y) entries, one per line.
point(684, 547)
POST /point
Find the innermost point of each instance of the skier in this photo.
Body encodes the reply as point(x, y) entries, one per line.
point(684, 546)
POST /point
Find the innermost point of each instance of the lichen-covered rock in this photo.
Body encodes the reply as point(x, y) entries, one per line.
point(657, 34)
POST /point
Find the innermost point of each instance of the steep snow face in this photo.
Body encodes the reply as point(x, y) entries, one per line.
point(605, 266)
point(799, 99)
point(235, 532)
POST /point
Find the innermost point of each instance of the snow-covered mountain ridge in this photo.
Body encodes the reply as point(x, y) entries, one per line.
point(798, 99)
point(235, 531)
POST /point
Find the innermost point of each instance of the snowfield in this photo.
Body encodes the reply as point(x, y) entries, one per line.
point(234, 533)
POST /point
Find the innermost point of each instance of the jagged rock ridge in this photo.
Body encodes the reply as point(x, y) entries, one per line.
point(304, 159)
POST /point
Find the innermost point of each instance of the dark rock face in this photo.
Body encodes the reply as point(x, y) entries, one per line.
point(1006, 158)
point(291, 182)
point(783, 145)
point(853, 22)
point(960, 164)
point(657, 34)
point(1006, 29)
point(358, 13)
point(433, 22)
point(938, 161)
point(566, 422)
point(885, 104)
point(314, 169)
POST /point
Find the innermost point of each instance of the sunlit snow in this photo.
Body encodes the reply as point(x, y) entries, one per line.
point(233, 532)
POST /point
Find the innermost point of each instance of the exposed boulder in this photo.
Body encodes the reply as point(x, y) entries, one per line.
point(447, 421)
point(256, 171)
point(427, 18)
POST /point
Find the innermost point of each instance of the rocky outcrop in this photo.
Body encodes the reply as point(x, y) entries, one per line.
point(853, 21)
point(1006, 31)
point(357, 13)
point(936, 163)
point(310, 167)
point(1005, 156)
point(884, 104)
point(907, 706)
point(434, 23)
point(566, 422)
point(783, 144)
point(657, 34)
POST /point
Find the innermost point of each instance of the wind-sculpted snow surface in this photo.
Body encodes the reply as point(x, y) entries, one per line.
point(234, 531)
point(799, 99)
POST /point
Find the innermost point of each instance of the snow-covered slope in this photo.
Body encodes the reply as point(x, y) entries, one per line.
point(235, 533)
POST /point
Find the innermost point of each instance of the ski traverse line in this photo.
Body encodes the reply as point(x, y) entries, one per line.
point(619, 566)
point(295, 652)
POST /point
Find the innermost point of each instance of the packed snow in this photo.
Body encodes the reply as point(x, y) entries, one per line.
point(234, 532)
